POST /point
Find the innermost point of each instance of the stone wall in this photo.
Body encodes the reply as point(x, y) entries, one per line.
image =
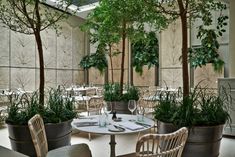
point(19, 66)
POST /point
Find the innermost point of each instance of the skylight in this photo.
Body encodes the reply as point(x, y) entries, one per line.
point(81, 7)
point(80, 3)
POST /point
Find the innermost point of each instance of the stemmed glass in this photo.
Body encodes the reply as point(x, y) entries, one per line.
point(107, 107)
point(132, 106)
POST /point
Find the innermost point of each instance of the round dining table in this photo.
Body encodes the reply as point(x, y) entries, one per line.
point(125, 124)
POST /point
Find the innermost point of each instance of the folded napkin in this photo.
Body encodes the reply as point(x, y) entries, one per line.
point(85, 121)
point(81, 124)
point(115, 128)
point(131, 125)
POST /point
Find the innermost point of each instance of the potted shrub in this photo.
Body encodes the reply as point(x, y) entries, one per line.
point(57, 114)
point(204, 112)
point(120, 101)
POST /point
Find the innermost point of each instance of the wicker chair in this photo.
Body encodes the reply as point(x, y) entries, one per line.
point(38, 134)
point(94, 106)
point(161, 145)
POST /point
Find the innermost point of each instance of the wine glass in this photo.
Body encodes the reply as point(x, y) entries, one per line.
point(107, 108)
point(132, 106)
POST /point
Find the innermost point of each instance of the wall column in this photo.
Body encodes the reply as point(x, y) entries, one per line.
point(232, 39)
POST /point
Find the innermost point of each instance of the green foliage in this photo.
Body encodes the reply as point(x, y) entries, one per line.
point(22, 15)
point(167, 107)
point(23, 107)
point(112, 93)
point(201, 107)
point(96, 60)
point(187, 11)
point(145, 51)
point(208, 52)
point(114, 20)
point(131, 94)
point(58, 109)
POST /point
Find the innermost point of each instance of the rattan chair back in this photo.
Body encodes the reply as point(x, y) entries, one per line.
point(95, 105)
point(162, 145)
point(38, 134)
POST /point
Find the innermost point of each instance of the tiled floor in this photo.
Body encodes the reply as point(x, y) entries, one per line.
point(99, 144)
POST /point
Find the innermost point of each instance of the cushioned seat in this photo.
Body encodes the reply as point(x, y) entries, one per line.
point(79, 150)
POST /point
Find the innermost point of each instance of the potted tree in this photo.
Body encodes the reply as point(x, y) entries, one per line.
point(31, 17)
point(57, 116)
point(110, 24)
point(204, 112)
point(113, 23)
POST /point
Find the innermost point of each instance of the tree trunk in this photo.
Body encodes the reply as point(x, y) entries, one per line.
point(41, 67)
point(183, 17)
point(123, 54)
point(111, 61)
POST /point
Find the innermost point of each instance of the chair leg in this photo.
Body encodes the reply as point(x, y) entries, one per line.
point(89, 136)
point(138, 137)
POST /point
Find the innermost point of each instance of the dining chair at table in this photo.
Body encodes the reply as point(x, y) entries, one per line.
point(161, 145)
point(38, 134)
point(95, 105)
point(80, 106)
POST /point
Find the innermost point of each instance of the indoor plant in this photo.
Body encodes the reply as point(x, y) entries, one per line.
point(204, 112)
point(114, 22)
point(57, 114)
point(119, 101)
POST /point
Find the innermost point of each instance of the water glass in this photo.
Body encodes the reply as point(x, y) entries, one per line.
point(140, 114)
point(102, 120)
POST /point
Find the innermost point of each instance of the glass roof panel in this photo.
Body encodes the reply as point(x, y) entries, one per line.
point(83, 2)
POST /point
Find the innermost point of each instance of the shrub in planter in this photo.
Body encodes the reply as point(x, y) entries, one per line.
point(57, 114)
point(112, 94)
point(203, 111)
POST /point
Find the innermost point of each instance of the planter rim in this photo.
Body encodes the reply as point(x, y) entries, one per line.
point(201, 126)
point(22, 125)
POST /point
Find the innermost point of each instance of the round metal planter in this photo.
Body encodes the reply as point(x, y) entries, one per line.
point(120, 107)
point(58, 135)
point(202, 141)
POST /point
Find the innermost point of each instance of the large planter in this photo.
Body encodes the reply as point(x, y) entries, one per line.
point(202, 141)
point(58, 135)
point(120, 107)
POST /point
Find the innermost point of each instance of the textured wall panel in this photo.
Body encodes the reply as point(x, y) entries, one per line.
point(78, 46)
point(23, 78)
point(171, 78)
point(61, 56)
point(22, 50)
point(50, 78)
point(206, 76)
point(49, 48)
point(4, 78)
point(116, 75)
point(171, 46)
point(146, 79)
point(78, 77)
point(64, 77)
point(170, 52)
point(4, 46)
point(95, 76)
point(64, 47)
